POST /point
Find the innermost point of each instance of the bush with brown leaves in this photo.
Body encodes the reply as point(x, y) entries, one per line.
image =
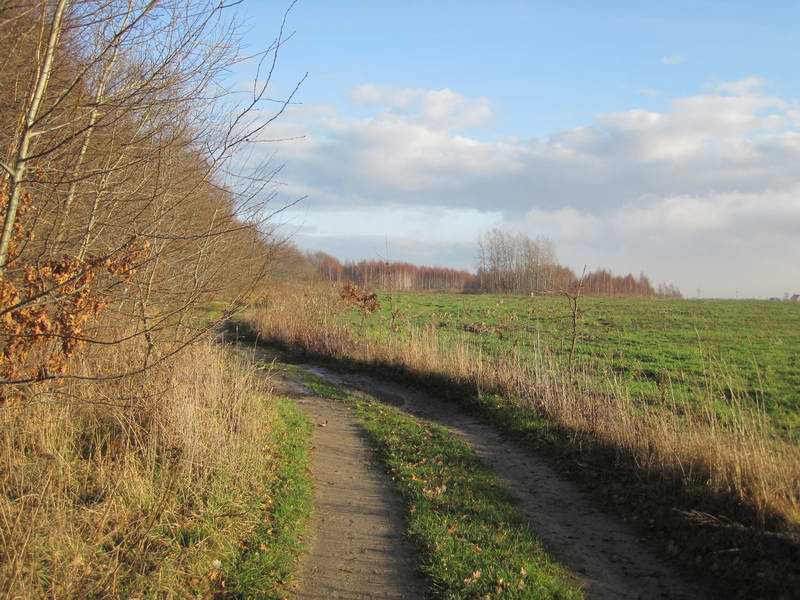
point(47, 302)
point(365, 301)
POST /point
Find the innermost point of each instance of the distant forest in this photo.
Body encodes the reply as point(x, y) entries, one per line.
point(506, 263)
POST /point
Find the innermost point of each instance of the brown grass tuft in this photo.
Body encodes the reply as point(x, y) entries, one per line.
point(132, 487)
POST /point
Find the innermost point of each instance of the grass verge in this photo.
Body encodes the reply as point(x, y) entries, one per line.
point(158, 485)
point(473, 541)
point(265, 567)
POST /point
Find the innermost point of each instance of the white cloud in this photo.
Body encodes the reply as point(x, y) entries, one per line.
point(742, 87)
point(720, 243)
point(439, 109)
point(733, 213)
point(711, 174)
point(369, 94)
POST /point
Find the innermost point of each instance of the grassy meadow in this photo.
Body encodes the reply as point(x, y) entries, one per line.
point(721, 429)
point(678, 414)
point(653, 347)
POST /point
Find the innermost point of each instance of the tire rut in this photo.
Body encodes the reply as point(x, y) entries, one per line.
point(603, 552)
point(358, 549)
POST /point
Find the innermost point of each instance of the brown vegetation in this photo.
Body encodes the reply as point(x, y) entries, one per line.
point(365, 301)
point(126, 451)
point(133, 487)
point(122, 190)
point(391, 275)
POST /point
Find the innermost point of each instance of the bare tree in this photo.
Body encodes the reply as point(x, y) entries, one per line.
point(515, 263)
point(20, 154)
point(129, 196)
point(573, 295)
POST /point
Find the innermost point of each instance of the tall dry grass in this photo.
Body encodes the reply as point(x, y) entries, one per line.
point(738, 456)
point(133, 487)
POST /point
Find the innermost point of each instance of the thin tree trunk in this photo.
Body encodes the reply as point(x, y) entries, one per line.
point(19, 165)
point(87, 137)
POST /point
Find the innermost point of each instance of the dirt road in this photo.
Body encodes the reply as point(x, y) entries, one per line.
point(358, 549)
point(601, 550)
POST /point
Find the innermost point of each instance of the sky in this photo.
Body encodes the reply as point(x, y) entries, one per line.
point(639, 136)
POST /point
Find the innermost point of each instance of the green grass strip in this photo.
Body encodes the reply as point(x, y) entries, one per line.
point(266, 566)
point(473, 542)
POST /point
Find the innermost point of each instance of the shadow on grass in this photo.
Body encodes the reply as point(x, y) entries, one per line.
point(710, 535)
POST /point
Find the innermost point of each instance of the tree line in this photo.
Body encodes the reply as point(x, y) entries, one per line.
point(507, 263)
point(125, 198)
point(390, 275)
point(514, 263)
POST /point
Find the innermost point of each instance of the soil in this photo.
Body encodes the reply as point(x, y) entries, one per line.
point(358, 549)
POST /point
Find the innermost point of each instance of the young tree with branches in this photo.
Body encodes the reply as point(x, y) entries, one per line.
point(126, 199)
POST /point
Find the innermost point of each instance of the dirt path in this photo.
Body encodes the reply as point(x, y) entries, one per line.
point(358, 549)
point(602, 551)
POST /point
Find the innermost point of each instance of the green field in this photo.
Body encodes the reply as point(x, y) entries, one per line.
point(748, 349)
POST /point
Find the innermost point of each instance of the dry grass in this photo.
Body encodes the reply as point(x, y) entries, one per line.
point(739, 458)
point(133, 487)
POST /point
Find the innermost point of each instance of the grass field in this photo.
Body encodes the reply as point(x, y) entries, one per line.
point(686, 452)
point(750, 348)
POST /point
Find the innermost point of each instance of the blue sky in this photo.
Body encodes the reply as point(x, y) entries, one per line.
point(430, 122)
point(547, 66)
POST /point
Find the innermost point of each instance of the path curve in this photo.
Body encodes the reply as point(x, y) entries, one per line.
point(603, 552)
point(358, 550)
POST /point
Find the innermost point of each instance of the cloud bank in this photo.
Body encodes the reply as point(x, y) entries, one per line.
point(705, 193)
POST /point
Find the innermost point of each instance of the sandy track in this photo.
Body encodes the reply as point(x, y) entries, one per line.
point(358, 549)
point(603, 552)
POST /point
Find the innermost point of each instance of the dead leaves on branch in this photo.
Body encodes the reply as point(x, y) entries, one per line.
point(364, 301)
point(46, 303)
